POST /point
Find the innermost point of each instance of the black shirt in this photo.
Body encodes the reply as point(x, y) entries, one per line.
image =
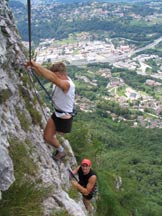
point(83, 179)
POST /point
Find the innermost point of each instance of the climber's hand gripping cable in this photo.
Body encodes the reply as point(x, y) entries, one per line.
point(72, 175)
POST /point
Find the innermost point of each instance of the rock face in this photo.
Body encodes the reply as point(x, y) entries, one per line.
point(6, 169)
point(21, 116)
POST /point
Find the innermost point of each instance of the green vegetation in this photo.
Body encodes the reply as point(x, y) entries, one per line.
point(136, 81)
point(151, 52)
point(25, 196)
point(24, 122)
point(4, 95)
point(119, 21)
point(30, 102)
point(73, 193)
point(121, 91)
point(60, 213)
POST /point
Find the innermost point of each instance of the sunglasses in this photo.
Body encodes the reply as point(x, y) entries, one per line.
point(84, 165)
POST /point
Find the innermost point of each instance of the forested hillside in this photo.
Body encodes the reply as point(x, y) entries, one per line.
point(116, 20)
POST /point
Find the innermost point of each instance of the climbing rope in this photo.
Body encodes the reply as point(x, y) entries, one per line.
point(45, 90)
point(32, 74)
point(29, 28)
point(35, 92)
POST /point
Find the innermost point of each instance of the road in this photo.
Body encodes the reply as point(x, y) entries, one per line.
point(124, 56)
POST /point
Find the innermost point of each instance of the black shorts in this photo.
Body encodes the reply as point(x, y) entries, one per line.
point(92, 194)
point(62, 125)
point(88, 197)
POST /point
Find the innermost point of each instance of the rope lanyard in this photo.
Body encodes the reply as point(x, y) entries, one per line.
point(37, 95)
point(45, 90)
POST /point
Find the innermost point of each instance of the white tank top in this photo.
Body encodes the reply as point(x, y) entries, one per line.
point(64, 101)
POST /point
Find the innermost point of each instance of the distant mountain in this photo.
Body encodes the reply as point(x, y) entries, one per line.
point(35, 2)
point(16, 4)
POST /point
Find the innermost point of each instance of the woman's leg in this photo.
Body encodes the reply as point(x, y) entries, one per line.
point(87, 204)
point(50, 137)
point(50, 134)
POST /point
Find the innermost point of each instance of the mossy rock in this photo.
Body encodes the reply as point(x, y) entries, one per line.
point(5, 94)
